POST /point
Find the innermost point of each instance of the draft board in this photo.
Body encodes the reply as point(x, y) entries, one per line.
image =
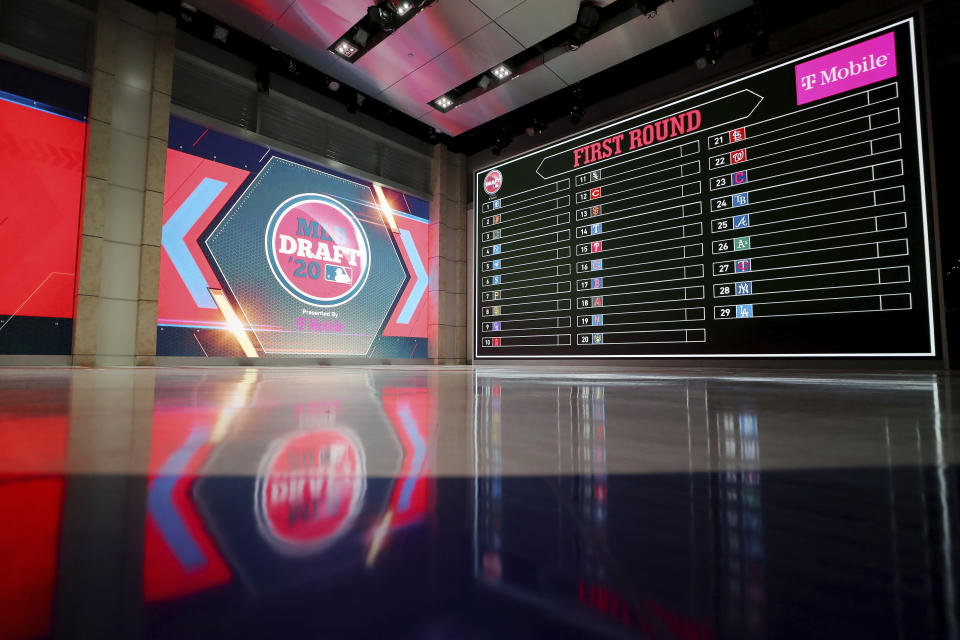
point(781, 214)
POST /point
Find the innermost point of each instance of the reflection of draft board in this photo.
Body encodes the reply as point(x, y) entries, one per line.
point(781, 214)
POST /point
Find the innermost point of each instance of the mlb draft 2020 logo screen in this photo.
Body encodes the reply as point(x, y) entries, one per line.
point(265, 254)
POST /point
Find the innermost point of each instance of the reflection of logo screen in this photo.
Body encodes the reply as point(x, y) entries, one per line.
point(492, 182)
point(317, 250)
point(310, 488)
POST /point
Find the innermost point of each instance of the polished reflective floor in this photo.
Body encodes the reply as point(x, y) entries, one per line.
point(420, 502)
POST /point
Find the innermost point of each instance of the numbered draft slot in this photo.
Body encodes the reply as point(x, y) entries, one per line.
point(815, 306)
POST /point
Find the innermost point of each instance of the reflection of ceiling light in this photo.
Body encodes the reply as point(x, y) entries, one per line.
point(500, 72)
point(346, 49)
point(443, 103)
point(333, 85)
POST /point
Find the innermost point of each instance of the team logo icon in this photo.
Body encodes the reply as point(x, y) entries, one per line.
point(317, 250)
point(492, 182)
point(310, 488)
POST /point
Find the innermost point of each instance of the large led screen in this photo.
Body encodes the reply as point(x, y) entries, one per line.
point(783, 213)
point(265, 254)
point(41, 186)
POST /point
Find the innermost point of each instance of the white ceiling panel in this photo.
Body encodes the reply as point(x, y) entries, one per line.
point(481, 51)
point(522, 89)
point(535, 20)
point(439, 27)
point(494, 8)
point(310, 26)
point(354, 76)
point(641, 34)
point(430, 33)
point(254, 17)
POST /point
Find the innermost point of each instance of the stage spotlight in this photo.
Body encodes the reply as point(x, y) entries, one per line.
point(263, 79)
point(500, 72)
point(383, 16)
point(712, 51)
point(588, 17)
point(503, 140)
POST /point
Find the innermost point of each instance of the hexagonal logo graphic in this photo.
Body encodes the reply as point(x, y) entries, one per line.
point(309, 260)
point(317, 250)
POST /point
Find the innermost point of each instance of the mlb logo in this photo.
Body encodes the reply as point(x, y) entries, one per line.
point(596, 265)
point(740, 222)
point(598, 338)
point(496, 265)
point(596, 247)
point(595, 211)
point(496, 219)
point(598, 321)
point(742, 265)
point(496, 203)
point(496, 295)
point(496, 249)
point(496, 280)
point(744, 288)
point(595, 175)
point(740, 155)
point(496, 342)
point(492, 182)
point(598, 301)
point(744, 310)
point(738, 135)
point(739, 177)
point(336, 273)
point(496, 326)
point(595, 193)
point(597, 283)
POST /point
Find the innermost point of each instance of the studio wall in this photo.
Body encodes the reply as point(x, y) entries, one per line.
point(42, 140)
point(267, 254)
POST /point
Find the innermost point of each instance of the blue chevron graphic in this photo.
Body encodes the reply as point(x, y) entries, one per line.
point(178, 226)
point(420, 286)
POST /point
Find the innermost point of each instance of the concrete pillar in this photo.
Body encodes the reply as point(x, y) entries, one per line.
point(447, 325)
point(116, 306)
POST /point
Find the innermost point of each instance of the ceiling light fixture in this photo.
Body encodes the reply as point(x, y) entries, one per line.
point(588, 18)
point(401, 7)
point(381, 19)
point(501, 72)
point(345, 49)
point(443, 103)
